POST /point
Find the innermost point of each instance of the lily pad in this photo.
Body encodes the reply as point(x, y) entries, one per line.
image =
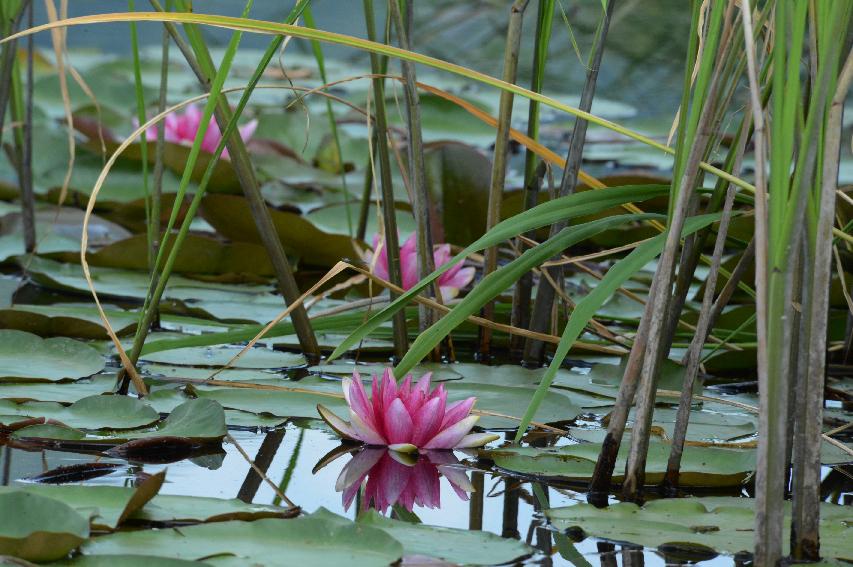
point(464, 547)
point(270, 542)
point(723, 523)
point(67, 320)
point(218, 356)
point(41, 528)
point(231, 217)
point(700, 466)
point(108, 506)
point(199, 421)
point(67, 392)
point(24, 355)
point(92, 412)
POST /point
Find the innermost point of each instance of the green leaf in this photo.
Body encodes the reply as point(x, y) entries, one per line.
point(24, 355)
point(107, 506)
point(723, 523)
point(37, 528)
point(194, 420)
point(700, 466)
point(464, 547)
point(271, 542)
point(231, 217)
point(218, 356)
point(92, 412)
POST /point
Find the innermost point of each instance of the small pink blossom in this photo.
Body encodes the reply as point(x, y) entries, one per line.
point(450, 282)
point(182, 128)
point(394, 478)
point(407, 417)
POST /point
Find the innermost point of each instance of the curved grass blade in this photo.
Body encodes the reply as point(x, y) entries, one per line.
point(496, 282)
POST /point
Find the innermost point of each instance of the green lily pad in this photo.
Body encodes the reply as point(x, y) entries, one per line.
point(92, 412)
point(66, 392)
point(231, 217)
point(193, 420)
point(724, 523)
point(24, 355)
point(270, 542)
point(75, 320)
point(107, 506)
point(124, 561)
point(41, 528)
point(218, 356)
point(700, 466)
point(464, 547)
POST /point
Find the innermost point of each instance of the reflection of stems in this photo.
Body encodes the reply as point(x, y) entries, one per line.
point(291, 466)
point(499, 164)
point(475, 508)
point(417, 173)
point(541, 317)
point(263, 460)
point(392, 245)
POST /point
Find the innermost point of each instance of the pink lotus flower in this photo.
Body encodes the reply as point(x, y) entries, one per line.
point(406, 418)
point(394, 478)
point(181, 129)
point(449, 282)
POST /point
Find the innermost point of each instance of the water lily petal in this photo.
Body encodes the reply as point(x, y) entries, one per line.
point(398, 423)
point(409, 261)
point(427, 421)
point(364, 432)
point(449, 437)
point(457, 411)
point(388, 390)
point(337, 424)
point(477, 440)
point(356, 397)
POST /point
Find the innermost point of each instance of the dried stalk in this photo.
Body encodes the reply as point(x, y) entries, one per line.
point(417, 169)
point(392, 245)
point(499, 164)
point(534, 351)
point(662, 284)
point(26, 165)
point(805, 541)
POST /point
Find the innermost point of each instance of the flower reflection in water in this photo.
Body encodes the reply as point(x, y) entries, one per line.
point(397, 478)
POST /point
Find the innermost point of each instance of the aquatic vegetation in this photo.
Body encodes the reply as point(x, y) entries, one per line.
point(406, 417)
point(450, 282)
point(399, 478)
point(181, 128)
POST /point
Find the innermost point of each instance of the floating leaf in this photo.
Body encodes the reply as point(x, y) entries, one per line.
point(37, 528)
point(192, 422)
point(464, 547)
point(218, 356)
point(108, 506)
point(270, 542)
point(231, 217)
point(724, 523)
point(700, 466)
point(91, 412)
point(67, 320)
point(24, 355)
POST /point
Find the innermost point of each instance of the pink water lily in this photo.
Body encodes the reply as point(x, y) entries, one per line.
point(407, 417)
point(181, 129)
point(394, 478)
point(450, 282)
